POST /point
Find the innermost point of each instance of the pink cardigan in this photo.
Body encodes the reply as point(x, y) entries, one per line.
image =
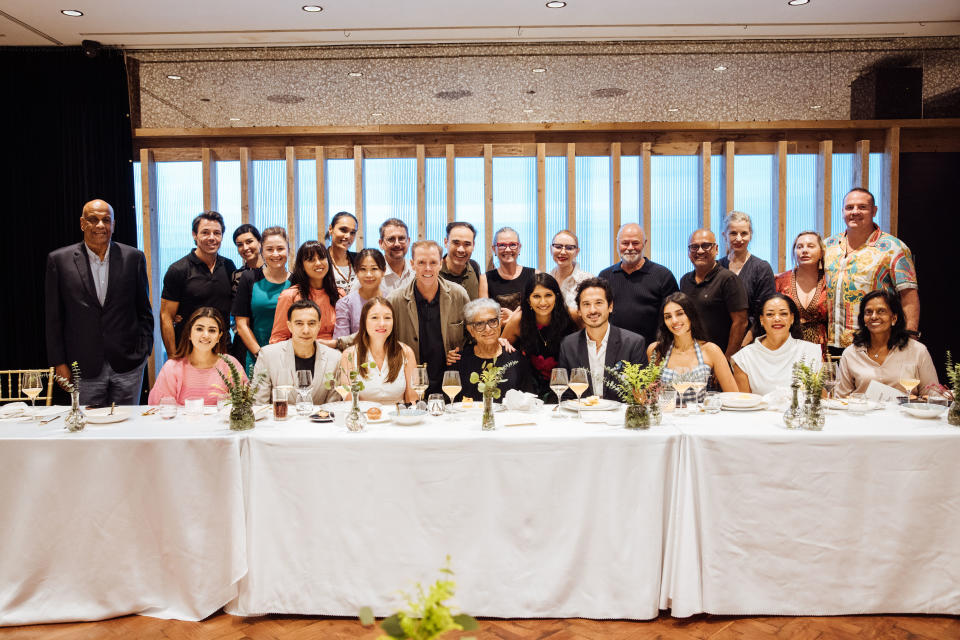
point(180, 380)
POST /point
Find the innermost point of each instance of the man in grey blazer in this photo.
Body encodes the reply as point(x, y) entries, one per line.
point(599, 344)
point(279, 362)
point(98, 311)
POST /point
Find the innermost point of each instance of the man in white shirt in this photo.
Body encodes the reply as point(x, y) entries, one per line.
point(394, 239)
point(599, 344)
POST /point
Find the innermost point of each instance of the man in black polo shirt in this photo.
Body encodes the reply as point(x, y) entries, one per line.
point(639, 285)
point(202, 278)
point(717, 292)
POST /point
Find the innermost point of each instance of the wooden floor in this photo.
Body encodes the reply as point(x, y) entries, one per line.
point(226, 627)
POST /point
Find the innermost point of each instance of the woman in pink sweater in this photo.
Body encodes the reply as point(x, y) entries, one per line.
point(191, 371)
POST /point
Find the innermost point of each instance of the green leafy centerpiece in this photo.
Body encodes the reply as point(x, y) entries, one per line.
point(241, 396)
point(354, 419)
point(75, 420)
point(953, 375)
point(812, 380)
point(427, 616)
point(488, 381)
point(638, 386)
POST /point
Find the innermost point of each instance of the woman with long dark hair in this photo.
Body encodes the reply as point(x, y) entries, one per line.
point(311, 280)
point(369, 265)
point(341, 234)
point(390, 363)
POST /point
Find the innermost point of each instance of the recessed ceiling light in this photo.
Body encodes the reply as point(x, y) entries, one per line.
point(539, 70)
point(528, 110)
point(355, 74)
point(556, 4)
point(720, 68)
point(376, 114)
point(816, 106)
point(797, 3)
point(673, 109)
point(174, 77)
point(234, 119)
point(73, 13)
point(312, 8)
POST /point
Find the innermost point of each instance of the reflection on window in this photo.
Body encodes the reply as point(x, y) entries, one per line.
point(389, 191)
point(801, 199)
point(228, 205)
point(555, 193)
point(269, 193)
point(436, 200)
point(594, 209)
point(515, 203)
point(306, 202)
point(470, 201)
point(629, 190)
point(674, 190)
point(340, 191)
point(753, 194)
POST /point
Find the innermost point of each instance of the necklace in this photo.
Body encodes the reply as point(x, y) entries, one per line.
point(876, 356)
point(344, 278)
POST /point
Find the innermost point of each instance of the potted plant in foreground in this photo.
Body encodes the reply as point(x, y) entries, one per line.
point(637, 385)
point(241, 396)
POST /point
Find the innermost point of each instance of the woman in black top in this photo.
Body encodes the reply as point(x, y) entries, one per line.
point(506, 283)
point(755, 273)
point(482, 318)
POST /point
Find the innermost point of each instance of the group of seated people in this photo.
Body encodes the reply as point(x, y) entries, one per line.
point(339, 309)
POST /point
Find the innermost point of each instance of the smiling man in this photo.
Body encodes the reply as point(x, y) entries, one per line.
point(202, 278)
point(98, 311)
point(458, 265)
point(861, 259)
point(394, 239)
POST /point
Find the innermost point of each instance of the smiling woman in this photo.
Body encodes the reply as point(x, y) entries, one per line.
point(311, 280)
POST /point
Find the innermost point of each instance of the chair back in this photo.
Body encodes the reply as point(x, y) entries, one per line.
point(10, 385)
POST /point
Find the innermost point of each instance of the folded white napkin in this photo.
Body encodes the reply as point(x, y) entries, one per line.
point(879, 392)
point(519, 401)
point(13, 410)
point(779, 398)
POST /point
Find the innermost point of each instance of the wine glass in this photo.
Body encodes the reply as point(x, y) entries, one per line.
point(304, 383)
point(829, 369)
point(31, 384)
point(909, 379)
point(420, 381)
point(451, 386)
point(558, 384)
point(681, 383)
point(579, 382)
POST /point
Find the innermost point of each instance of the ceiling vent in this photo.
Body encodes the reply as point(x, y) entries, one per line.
point(455, 94)
point(285, 98)
point(609, 92)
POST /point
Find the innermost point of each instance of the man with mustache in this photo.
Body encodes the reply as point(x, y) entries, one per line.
point(639, 284)
point(394, 238)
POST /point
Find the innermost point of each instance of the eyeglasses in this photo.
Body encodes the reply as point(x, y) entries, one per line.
point(492, 323)
point(703, 246)
point(564, 247)
point(507, 245)
point(395, 240)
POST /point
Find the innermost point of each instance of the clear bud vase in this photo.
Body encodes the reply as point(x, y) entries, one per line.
point(75, 420)
point(953, 415)
point(354, 420)
point(488, 423)
point(813, 414)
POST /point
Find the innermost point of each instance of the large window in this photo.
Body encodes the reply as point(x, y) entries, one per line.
point(468, 173)
point(594, 212)
point(674, 190)
point(515, 202)
point(389, 191)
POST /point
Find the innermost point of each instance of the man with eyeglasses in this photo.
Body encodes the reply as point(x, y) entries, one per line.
point(639, 284)
point(394, 238)
point(861, 259)
point(718, 294)
point(565, 248)
point(457, 266)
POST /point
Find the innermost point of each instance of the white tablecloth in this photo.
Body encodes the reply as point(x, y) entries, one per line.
point(559, 520)
point(863, 517)
point(142, 516)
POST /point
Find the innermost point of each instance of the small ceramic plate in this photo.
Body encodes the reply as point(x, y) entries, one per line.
point(102, 415)
point(737, 400)
point(923, 409)
point(408, 418)
point(602, 405)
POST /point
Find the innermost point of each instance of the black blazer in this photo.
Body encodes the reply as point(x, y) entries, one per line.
point(79, 328)
point(621, 345)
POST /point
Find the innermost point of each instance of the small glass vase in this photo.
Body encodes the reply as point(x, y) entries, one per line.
point(793, 416)
point(656, 414)
point(75, 420)
point(354, 421)
point(241, 417)
point(637, 416)
point(953, 415)
point(488, 423)
point(813, 414)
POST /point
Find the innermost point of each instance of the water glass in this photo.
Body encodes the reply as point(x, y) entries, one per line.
point(168, 407)
point(856, 404)
point(304, 403)
point(712, 403)
point(222, 401)
point(435, 404)
point(668, 400)
point(193, 407)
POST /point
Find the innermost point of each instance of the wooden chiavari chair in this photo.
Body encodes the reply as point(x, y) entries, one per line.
point(10, 385)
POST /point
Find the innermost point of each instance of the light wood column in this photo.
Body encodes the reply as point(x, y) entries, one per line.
point(421, 192)
point(488, 202)
point(779, 225)
point(703, 195)
point(890, 186)
point(572, 187)
point(208, 160)
point(729, 153)
point(292, 202)
point(322, 224)
point(615, 196)
point(645, 186)
point(451, 184)
point(246, 187)
point(861, 165)
point(358, 192)
point(542, 249)
point(824, 188)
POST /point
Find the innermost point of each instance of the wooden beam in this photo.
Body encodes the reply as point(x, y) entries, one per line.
point(645, 185)
point(890, 186)
point(824, 188)
point(779, 225)
point(451, 183)
point(703, 195)
point(246, 187)
point(729, 153)
point(488, 202)
point(542, 207)
point(321, 156)
point(151, 248)
point(615, 188)
point(358, 191)
point(208, 160)
point(421, 192)
point(861, 165)
point(292, 214)
point(572, 187)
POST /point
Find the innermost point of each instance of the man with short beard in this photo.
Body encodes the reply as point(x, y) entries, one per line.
point(394, 238)
point(639, 285)
point(457, 266)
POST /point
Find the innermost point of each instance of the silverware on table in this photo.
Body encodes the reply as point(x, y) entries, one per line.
point(50, 419)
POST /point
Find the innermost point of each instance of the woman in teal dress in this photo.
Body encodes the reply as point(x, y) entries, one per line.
point(257, 293)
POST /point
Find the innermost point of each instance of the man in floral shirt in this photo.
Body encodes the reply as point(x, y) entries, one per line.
point(860, 260)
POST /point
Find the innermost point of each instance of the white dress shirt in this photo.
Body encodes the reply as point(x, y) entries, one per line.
point(598, 359)
point(101, 272)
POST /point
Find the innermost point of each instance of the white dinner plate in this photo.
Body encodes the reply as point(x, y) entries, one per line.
point(602, 405)
point(738, 400)
point(344, 406)
point(758, 407)
point(102, 415)
point(843, 405)
point(476, 406)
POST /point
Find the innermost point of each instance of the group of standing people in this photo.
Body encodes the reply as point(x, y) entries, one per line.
point(729, 321)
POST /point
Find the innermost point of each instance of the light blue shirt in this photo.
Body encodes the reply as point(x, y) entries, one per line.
point(101, 272)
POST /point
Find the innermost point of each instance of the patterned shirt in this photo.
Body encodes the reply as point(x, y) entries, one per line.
point(883, 262)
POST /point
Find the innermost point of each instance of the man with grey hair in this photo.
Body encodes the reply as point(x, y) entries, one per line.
point(639, 285)
point(394, 238)
point(428, 312)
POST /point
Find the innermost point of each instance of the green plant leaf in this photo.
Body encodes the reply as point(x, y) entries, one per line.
point(474, 378)
point(481, 387)
point(366, 616)
point(392, 626)
point(469, 623)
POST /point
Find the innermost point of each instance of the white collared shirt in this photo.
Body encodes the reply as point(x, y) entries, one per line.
point(597, 358)
point(100, 270)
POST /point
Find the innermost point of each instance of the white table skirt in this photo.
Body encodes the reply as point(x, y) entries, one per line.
point(135, 517)
point(863, 517)
point(559, 520)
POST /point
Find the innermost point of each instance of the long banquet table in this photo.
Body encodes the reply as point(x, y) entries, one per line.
point(726, 514)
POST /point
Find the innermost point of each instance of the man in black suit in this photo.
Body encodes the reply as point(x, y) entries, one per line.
point(98, 311)
point(599, 344)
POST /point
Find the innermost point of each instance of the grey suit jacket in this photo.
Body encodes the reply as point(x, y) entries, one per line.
point(406, 320)
point(621, 345)
point(277, 359)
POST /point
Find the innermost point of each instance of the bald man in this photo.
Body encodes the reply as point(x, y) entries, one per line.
point(717, 292)
point(98, 311)
point(639, 285)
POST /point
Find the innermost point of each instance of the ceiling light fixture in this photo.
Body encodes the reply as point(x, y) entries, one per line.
point(355, 74)
point(720, 68)
point(73, 13)
point(797, 3)
point(312, 8)
point(673, 109)
point(539, 70)
point(528, 110)
point(174, 77)
point(556, 4)
point(376, 114)
point(234, 119)
point(816, 106)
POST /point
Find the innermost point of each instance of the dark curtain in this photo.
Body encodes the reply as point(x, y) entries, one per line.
point(67, 140)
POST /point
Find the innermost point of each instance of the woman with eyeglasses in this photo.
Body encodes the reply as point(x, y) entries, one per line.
point(883, 351)
point(805, 285)
point(565, 248)
point(341, 234)
point(755, 273)
point(505, 284)
point(482, 318)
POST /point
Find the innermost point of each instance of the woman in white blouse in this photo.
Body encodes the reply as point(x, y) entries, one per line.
point(390, 363)
point(766, 363)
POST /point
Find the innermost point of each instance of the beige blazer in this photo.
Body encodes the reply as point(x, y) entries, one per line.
point(406, 321)
point(275, 359)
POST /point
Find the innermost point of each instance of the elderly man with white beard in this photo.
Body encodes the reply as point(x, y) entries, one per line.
point(639, 285)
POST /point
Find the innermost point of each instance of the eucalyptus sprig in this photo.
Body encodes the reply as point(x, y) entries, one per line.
point(953, 375)
point(634, 382)
point(72, 385)
point(811, 379)
point(241, 393)
point(489, 378)
point(427, 616)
